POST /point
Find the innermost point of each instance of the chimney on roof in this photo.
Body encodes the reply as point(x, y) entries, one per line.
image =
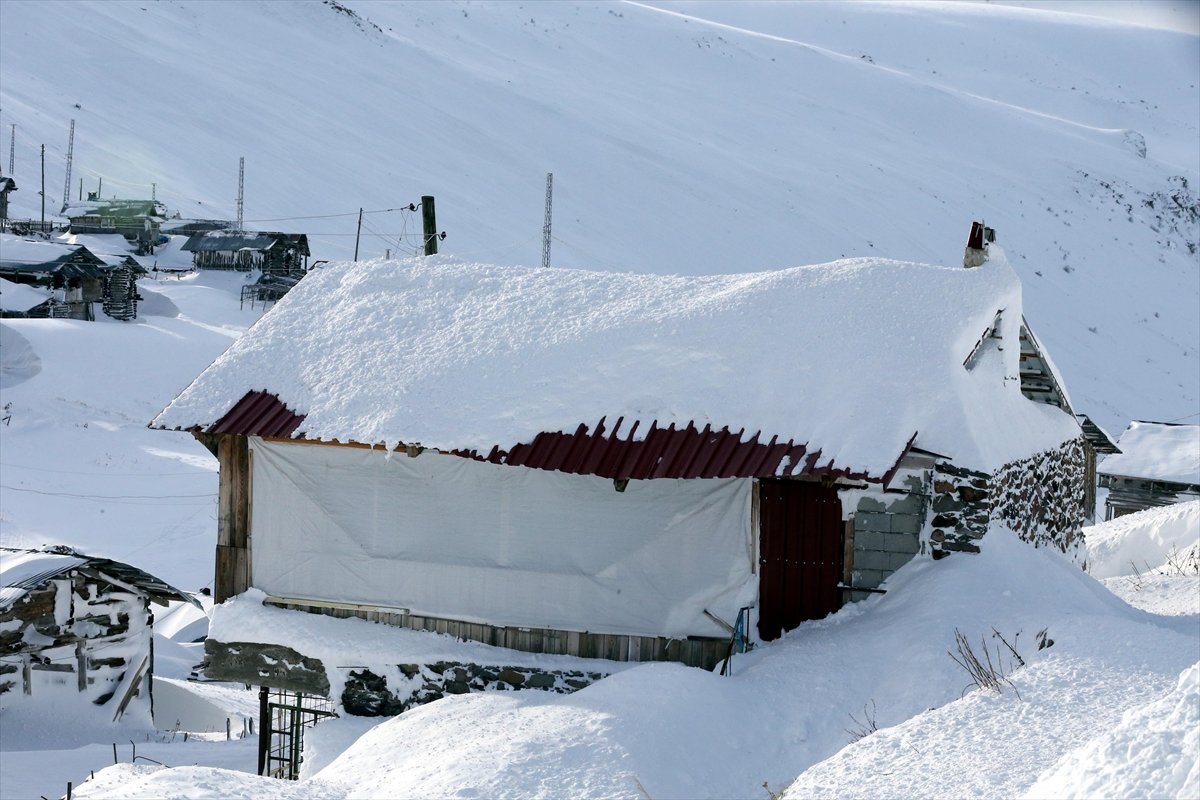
point(976, 253)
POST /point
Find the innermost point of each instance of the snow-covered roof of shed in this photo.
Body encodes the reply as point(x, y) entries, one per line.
point(1157, 451)
point(19, 254)
point(852, 357)
point(22, 571)
point(20, 297)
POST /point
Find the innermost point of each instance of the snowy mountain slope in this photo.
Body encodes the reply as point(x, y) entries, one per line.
point(693, 138)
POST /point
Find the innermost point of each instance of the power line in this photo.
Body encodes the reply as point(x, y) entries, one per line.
point(118, 497)
point(109, 474)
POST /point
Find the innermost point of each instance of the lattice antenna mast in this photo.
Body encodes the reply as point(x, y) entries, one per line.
point(241, 188)
point(12, 147)
point(70, 158)
point(546, 226)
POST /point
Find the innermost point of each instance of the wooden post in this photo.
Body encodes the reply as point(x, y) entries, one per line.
point(264, 727)
point(81, 665)
point(429, 221)
point(233, 518)
point(358, 234)
point(43, 192)
point(26, 674)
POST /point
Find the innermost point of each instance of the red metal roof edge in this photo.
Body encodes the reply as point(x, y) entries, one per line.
point(669, 452)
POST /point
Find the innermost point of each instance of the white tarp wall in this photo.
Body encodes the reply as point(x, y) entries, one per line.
point(449, 537)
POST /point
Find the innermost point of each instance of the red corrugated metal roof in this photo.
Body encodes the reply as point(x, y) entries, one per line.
point(258, 414)
point(669, 452)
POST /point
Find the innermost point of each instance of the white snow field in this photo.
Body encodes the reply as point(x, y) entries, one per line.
point(685, 138)
point(694, 138)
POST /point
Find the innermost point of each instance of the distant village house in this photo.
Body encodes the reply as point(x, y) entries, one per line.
point(1158, 464)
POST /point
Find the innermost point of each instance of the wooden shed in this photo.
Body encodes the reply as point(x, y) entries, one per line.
point(136, 220)
point(1157, 464)
point(75, 274)
point(283, 254)
point(624, 466)
point(78, 625)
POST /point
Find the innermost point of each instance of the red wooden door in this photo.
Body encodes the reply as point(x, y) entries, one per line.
point(800, 563)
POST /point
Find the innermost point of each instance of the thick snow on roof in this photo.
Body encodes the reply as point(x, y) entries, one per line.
point(1157, 451)
point(20, 296)
point(853, 357)
point(22, 571)
point(15, 251)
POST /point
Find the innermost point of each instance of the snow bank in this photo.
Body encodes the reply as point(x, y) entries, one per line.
point(18, 360)
point(1144, 541)
point(853, 357)
point(1153, 752)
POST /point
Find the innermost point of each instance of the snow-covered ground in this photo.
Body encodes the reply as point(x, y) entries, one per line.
point(1107, 709)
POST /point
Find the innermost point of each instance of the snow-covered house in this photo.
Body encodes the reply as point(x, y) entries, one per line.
point(74, 273)
point(1158, 464)
point(616, 465)
point(271, 252)
point(136, 220)
point(80, 625)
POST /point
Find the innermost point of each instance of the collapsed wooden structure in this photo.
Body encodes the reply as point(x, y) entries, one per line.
point(78, 624)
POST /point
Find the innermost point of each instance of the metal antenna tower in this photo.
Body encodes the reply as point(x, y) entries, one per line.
point(70, 157)
point(12, 147)
point(546, 226)
point(241, 186)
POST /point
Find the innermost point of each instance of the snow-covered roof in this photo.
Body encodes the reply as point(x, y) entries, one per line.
point(1157, 451)
point(26, 255)
point(222, 240)
point(853, 357)
point(22, 571)
point(20, 297)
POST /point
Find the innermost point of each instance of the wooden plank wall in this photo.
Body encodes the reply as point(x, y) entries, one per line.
point(233, 518)
point(694, 651)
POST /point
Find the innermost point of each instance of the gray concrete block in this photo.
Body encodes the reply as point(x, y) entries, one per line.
point(906, 523)
point(898, 560)
point(868, 578)
point(869, 540)
point(903, 543)
point(905, 504)
point(870, 504)
point(871, 521)
point(871, 559)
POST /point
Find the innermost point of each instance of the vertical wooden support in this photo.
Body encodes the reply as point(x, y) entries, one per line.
point(26, 674)
point(264, 727)
point(81, 666)
point(233, 518)
point(848, 554)
point(429, 223)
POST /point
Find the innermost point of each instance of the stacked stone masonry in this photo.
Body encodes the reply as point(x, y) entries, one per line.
point(1042, 498)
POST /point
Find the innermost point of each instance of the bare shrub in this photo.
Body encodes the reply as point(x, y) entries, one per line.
point(865, 726)
point(985, 671)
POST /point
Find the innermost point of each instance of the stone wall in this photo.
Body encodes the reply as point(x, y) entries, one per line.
point(1042, 498)
point(367, 694)
point(961, 509)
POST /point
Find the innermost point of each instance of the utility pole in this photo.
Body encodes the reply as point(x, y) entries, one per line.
point(241, 176)
point(153, 192)
point(12, 147)
point(81, 188)
point(99, 187)
point(43, 192)
point(546, 226)
point(66, 197)
point(429, 222)
point(358, 234)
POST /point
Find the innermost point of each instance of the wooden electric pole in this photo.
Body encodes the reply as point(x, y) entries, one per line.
point(429, 221)
point(43, 192)
point(358, 234)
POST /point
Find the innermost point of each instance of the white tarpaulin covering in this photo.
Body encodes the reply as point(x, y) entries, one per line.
point(449, 537)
